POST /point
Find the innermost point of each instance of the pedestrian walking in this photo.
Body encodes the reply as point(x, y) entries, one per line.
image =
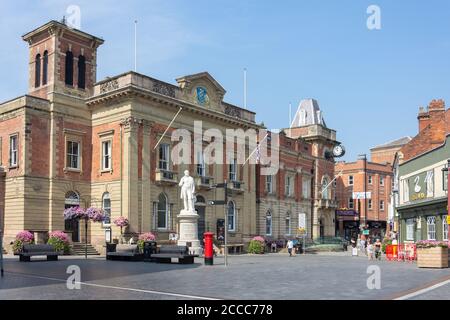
point(369, 250)
point(290, 247)
point(378, 249)
point(362, 245)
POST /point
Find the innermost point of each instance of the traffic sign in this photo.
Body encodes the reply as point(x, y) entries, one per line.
point(448, 219)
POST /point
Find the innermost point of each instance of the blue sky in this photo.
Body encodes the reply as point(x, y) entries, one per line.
point(369, 84)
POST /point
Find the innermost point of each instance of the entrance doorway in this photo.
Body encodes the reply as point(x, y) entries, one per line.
point(200, 206)
point(72, 226)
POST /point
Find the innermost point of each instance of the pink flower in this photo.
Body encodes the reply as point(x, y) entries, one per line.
point(121, 222)
point(59, 235)
point(147, 237)
point(259, 238)
point(25, 236)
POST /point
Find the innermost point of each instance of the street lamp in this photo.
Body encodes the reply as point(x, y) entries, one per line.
point(364, 158)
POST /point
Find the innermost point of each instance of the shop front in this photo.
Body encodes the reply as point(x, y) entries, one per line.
point(347, 224)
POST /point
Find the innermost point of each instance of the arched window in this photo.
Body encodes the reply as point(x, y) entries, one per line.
point(106, 205)
point(163, 212)
point(288, 223)
point(325, 188)
point(72, 199)
point(45, 67)
point(37, 71)
point(231, 216)
point(69, 68)
point(268, 223)
point(81, 72)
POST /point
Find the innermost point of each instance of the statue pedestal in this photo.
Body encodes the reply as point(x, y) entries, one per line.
point(188, 235)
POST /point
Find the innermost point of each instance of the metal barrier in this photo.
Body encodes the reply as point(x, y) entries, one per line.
point(401, 252)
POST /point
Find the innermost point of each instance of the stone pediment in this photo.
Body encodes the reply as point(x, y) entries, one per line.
point(203, 90)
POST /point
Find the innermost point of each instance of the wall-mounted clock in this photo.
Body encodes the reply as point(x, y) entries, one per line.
point(338, 151)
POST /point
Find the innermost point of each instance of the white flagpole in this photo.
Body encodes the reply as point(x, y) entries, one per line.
point(170, 124)
point(338, 175)
point(245, 88)
point(135, 45)
point(259, 145)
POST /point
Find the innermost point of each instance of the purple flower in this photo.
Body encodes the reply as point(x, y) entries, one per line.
point(75, 213)
point(95, 214)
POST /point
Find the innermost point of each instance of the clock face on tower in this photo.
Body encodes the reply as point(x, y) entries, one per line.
point(338, 151)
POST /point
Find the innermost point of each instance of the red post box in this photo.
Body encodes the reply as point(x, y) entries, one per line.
point(209, 251)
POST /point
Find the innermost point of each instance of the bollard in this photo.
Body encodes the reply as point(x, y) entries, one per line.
point(209, 252)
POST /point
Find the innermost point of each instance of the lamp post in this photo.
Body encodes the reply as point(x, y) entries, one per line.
point(364, 158)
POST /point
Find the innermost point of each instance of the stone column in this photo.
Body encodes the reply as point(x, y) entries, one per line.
point(146, 209)
point(130, 172)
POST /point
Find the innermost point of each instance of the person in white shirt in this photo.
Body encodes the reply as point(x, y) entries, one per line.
point(290, 247)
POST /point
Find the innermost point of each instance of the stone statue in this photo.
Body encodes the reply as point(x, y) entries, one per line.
point(187, 185)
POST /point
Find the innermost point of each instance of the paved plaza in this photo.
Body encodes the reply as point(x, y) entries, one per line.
point(271, 276)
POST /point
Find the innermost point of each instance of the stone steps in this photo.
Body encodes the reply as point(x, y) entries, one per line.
point(79, 249)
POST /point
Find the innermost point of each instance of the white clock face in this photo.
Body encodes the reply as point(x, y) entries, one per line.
point(338, 151)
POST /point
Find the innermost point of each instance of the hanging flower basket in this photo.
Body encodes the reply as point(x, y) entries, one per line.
point(95, 214)
point(121, 222)
point(75, 213)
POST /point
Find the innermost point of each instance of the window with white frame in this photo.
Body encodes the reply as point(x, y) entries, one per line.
point(288, 186)
point(231, 216)
point(410, 223)
point(325, 189)
point(288, 223)
point(382, 205)
point(269, 184)
point(350, 180)
point(73, 155)
point(106, 206)
point(162, 212)
point(201, 166)
point(444, 228)
point(13, 150)
point(431, 227)
point(381, 180)
point(306, 187)
point(370, 179)
point(268, 223)
point(164, 156)
point(106, 155)
point(351, 203)
point(232, 170)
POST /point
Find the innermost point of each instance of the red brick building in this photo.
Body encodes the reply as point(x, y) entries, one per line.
point(355, 211)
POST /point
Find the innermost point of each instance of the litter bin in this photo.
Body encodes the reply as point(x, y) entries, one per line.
point(149, 249)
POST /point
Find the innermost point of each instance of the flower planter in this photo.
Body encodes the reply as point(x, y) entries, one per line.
point(436, 257)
